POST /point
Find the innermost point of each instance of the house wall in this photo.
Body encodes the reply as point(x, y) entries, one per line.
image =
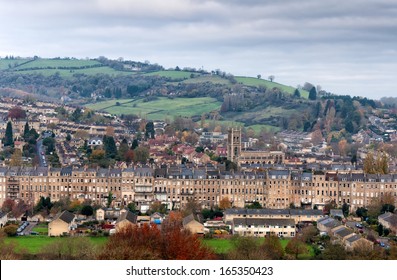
point(194, 227)
point(263, 231)
point(57, 228)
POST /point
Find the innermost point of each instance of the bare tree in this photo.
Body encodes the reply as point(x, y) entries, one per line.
point(271, 78)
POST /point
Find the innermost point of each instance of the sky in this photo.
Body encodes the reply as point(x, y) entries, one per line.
point(346, 47)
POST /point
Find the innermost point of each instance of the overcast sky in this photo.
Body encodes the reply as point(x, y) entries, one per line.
point(347, 47)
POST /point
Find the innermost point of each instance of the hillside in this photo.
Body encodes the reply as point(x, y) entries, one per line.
point(152, 92)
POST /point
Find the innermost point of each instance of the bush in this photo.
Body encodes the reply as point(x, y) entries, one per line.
point(11, 230)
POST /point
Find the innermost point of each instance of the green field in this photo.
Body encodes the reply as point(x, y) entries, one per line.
point(66, 73)
point(6, 63)
point(219, 246)
point(33, 244)
point(255, 82)
point(159, 109)
point(41, 228)
point(43, 63)
point(172, 74)
point(206, 79)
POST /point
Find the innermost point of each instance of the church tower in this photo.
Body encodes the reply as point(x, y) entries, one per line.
point(234, 144)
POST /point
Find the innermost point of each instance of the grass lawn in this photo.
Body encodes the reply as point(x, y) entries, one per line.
point(33, 244)
point(41, 228)
point(159, 109)
point(220, 246)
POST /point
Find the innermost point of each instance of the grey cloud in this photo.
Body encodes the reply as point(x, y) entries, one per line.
point(338, 44)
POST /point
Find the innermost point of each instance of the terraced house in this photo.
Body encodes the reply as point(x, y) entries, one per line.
point(176, 185)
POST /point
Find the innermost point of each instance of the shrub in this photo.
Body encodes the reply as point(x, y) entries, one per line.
point(11, 230)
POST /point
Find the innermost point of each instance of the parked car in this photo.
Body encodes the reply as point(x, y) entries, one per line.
point(358, 225)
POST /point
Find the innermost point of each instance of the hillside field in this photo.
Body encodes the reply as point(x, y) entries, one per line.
point(160, 108)
point(255, 82)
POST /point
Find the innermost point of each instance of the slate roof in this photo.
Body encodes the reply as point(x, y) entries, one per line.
point(263, 221)
point(192, 217)
point(343, 232)
point(2, 214)
point(65, 216)
point(129, 216)
point(353, 238)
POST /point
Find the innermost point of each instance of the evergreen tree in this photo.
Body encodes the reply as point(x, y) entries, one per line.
point(135, 144)
point(297, 93)
point(26, 131)
point(313, 94)
point(349, 126)
point(123, 149)
point(149, 130)
point(110, 146)
point(76, 115)
point(8, 137)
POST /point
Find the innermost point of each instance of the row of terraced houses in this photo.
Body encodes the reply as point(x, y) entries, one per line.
point(176, 185)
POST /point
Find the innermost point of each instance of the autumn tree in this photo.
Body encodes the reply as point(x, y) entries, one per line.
point(317, 137)
point(75, 206)
point(295, 247)
point(16, 158)
point(334, 252)
point(382, 164)
point(369, 164)
point(8, 205)
point(16, 113)
point(148, 242)
point(157, 206)
point(308, 233)
point(191, 207)
point(364, 250)
point(342, 145)
point(225, 203)
point(246, 248)
point(19, 208)
point(129, 156)
point(141, 154)
point(272, 248)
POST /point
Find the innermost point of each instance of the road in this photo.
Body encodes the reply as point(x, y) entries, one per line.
point(29, 228)
point(41, 153)
point(367, 231)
